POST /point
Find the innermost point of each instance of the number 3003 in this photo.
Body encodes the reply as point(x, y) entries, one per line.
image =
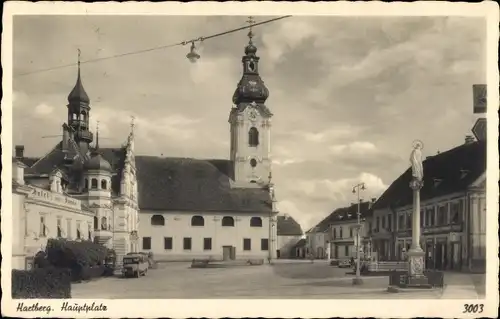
point(473, 308)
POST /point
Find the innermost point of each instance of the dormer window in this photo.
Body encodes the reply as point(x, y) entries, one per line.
point(437, 182)
point(463, 173)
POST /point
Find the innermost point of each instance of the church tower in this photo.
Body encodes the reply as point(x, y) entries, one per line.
point(78, 114)
point(250, 123)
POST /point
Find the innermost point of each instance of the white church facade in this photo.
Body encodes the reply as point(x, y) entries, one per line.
point(176, 208)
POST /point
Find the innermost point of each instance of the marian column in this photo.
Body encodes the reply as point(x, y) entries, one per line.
point(416, 255)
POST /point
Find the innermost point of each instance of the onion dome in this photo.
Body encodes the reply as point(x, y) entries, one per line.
point(78, 93)
point(251, 88)
point(97, 163)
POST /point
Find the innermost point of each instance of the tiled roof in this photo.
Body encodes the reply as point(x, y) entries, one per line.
point(28, 161)
point(187, 184)
point(343, 214)
point(287, 226)
point(300, 243)
point(445, 173)
point(47, 163)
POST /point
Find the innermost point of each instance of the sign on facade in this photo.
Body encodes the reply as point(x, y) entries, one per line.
point(479, 129)
point(54, 198)
point(479, 93)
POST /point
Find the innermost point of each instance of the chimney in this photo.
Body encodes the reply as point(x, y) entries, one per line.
point(469, 139)
point(19, 151)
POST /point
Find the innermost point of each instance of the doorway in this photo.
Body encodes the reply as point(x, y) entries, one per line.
point(456, 256)
point(226, 253)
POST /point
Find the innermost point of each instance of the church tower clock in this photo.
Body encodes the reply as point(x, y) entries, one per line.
point(250, 123)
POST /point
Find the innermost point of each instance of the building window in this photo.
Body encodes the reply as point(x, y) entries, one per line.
point(377, 224)
point(429, 216)
point(228, 221)
point(104, 184)
point(157, 220)
point(78, 231)
point(408, 220)
point(43, 228)
point(442, 220)
point(255, 222)
point(370, 227)
point(146, 243)
point(167, 243)
point(350, 232)
point(68, 229)
point(104, 223)
point(253, 137)
point(187, 243)
point(207, 243)
point(264, 244)
point(86, 183)
point(401, 221)
point(340, 233)
point(346, 250)
point(334, 233)
point(247, 244)
point(96, 223)
point(383, 222)
point(59, 228)
point(197, 221)
point(456, 212)
point(94, 183)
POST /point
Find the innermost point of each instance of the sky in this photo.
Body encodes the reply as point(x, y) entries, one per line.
point(349, 94)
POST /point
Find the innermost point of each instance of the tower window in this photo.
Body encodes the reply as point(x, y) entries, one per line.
point(253, 162)
point(96, 223)
point(104, 184)
point(251, 66)
point(94, 182)
point(253, 137)
point(104, 223)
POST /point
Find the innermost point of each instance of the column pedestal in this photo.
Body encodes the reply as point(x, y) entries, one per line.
point(416, 265)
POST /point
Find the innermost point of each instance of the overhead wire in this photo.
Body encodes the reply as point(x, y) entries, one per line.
point(162, 47)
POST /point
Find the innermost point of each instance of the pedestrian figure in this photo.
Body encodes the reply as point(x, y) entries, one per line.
point(352, 261)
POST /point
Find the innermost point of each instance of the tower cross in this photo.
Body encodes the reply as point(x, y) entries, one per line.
point(250, 21)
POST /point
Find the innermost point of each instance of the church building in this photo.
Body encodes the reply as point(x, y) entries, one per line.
point(177, 208)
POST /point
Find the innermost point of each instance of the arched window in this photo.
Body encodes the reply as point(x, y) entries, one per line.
point(197, 221)
point(86, 183)
point(157, 220)
point(94, 182)
point(253, 137)
point(255, 222)
point(104, 184)
point(228, 221)
point(96, 223)
point(104, 223)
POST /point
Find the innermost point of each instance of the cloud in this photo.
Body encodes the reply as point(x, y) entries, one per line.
point(349, 94)
point(43, 110)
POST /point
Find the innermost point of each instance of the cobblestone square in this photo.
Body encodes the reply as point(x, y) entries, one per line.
point(303, 280)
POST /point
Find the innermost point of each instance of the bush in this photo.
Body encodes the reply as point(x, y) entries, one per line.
point(41, 283)
point(66, 253)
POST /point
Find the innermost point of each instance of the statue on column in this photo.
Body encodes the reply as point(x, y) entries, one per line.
point(417, 167)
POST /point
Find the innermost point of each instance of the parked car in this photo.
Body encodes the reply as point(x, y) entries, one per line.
point(135, 265)
point(344, 263)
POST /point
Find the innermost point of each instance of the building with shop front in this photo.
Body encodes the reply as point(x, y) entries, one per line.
point(289, 234)
point(222, 208)
point(452, 216)
point(342, 230)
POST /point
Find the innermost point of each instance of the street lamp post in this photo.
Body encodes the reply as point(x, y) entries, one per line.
point(356, 190)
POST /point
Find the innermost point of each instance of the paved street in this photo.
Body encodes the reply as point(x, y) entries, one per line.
point(305, 280)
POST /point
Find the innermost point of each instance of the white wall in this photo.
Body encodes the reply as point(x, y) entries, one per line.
point(178, 226)
point(51, 212)
point(18, 218)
